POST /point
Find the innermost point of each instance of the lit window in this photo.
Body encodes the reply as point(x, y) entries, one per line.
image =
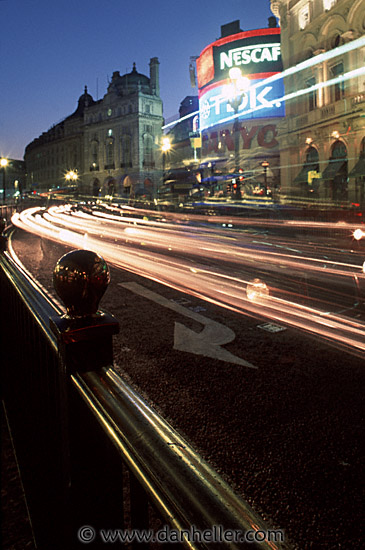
point(328, 4)
point(303, 17)
point(110, 152)
point(94, 153)
point(109, 112)
point(110, 132)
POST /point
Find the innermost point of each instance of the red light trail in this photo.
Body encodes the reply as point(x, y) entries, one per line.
point(243, 272)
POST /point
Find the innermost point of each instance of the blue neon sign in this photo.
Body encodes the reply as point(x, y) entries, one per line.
point(260, 101)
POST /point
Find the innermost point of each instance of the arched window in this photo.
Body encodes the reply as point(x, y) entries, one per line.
point(336, 173)
point(109, 153)
point(96, 187)
point(94, 154)
point(358, 172)
point(312, 158)
point(307, 179)
point(362, 148)
point(339, 150)
point(148, 151)
point(126, 150)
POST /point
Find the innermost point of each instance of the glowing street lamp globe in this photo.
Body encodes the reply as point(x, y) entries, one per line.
point(166, 145)
point(3, 163)
point(71, 176)
point(243, 82)
point(235, 90)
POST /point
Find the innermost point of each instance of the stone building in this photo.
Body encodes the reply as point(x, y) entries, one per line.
point(322, 143)
point(12, 179)
point(184, 151)
point(113, 144)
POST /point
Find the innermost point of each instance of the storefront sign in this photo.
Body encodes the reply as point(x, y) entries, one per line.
point(249, 54)
point(257, 54)
point(249, 137)
point(256, 51)
point(257, 102)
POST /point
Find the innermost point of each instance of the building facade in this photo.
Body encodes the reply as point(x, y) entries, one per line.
point(322, 139)
point(113, 144)
point(12, 179)
point(181, 156)
point(239, 126)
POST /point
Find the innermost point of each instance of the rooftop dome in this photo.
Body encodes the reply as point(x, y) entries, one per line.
point(85, 100)
point(130, 82)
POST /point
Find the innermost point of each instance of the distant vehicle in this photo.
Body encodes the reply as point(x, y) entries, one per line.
point(262, 191)
point(67, 190)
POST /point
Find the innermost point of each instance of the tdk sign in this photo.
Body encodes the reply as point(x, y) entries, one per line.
point(258, 102)
point(249, 54)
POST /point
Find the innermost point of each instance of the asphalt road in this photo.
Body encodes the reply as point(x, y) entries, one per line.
point(305, 276)
point(277, 412)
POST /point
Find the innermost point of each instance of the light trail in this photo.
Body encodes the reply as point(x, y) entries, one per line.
point(304, 65)
point(202, 262)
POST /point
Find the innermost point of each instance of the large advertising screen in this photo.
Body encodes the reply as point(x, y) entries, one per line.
point(257, 55)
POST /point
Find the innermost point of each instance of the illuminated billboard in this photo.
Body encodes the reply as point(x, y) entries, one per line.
point(257, 55)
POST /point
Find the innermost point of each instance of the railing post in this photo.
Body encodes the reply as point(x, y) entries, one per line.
point(84, 336)
point(3, 240)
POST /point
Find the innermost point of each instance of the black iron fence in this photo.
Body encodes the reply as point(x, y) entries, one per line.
point(6, 211)
point(97, 462)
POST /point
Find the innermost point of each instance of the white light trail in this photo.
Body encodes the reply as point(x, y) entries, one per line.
point(312, 62)
point(203, 263)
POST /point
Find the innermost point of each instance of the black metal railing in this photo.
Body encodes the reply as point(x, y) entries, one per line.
point(93, 454)
point(6, 211)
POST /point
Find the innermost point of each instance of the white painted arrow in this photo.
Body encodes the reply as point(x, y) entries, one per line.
point(208, 342)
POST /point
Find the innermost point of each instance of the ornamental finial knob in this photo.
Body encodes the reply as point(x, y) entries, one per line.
point(80, 279)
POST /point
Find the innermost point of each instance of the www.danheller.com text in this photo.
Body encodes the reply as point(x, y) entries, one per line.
point(217, 533)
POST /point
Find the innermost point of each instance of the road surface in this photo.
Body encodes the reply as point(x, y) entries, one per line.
point(278, 411)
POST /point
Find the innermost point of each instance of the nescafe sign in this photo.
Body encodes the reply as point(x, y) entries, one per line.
point(257, 53)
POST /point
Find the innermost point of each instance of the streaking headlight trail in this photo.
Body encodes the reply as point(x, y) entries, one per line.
point(278, 278)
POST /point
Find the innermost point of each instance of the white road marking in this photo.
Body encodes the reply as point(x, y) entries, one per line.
point(208, 342)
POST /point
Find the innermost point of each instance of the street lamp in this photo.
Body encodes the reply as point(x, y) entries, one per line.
point(3, 164)
point(235, 92)
point(71, 176)
point(166, 144)
point(165, 147)
point(265, 166)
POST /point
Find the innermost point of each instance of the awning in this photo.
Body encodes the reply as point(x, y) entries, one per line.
point(304, 176)
point(333, 168)
point(127, 182)
point(359, 169)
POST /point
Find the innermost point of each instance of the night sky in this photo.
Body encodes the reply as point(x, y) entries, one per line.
point(50, 50)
